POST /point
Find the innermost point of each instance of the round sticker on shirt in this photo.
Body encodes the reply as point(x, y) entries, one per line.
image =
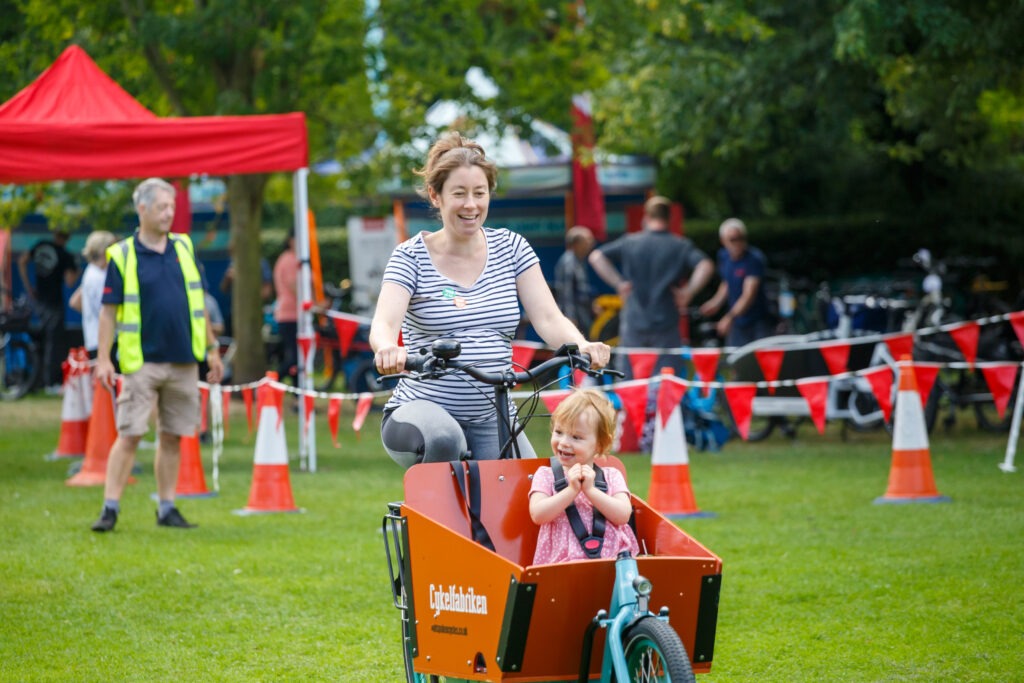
point(448, 293)
point(460, 302)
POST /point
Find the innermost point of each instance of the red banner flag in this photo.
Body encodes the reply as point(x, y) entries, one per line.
point(247, 399)
point(634, 401)
point(925, 373)
point(705, 363)
point(836, 356)
point(880, 380)
point(741, 399)
point(642, 363)
point(1000, 378)
point(901, 345)
point(305, 346)
point(553, 398)
point(333, 415)
point(770, 361)
point(310, 401)
point(225, 405)
point(588, 199)
point(966, 337)
point(362, 410)
point(346, 327)
point(670, 393)
point(815, 392)
point(1017, 321)
point(522, 354)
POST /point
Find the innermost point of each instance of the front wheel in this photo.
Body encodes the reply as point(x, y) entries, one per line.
point(654, 652)
point(19, 366)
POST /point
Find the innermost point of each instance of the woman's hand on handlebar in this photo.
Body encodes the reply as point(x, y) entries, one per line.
point(390, 360)
point(599, 353)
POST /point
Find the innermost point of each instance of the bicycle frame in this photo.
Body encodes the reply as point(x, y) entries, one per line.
point(629, 603)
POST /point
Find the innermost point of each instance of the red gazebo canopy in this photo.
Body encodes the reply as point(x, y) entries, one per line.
point(76, 123)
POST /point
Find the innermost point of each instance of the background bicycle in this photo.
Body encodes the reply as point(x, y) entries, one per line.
point(19, 354)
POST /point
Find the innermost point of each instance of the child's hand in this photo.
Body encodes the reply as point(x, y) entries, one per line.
point(574, 478)
point(588, 477)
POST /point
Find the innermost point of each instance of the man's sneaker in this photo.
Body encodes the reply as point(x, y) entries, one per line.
point(106, 521)
point(174, 518)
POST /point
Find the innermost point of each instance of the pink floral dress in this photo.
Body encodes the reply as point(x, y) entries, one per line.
point(556, 541)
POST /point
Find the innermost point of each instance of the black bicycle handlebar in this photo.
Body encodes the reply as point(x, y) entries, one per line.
point(442, 357)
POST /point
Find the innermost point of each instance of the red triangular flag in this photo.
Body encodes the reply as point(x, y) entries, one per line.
point(815, 392)
point(741, 398)
point(880, 380)
point(705, 363)
point(836, 355)
point(634, 401)
point(247, 399)
point(346, 328)
point(925, 374)
point(305, 345)
point(966, 337)
point(204, 402)
point(901, 345)
point(552, 399)
point(578, 378)
point(770, 361)
point(276, 393)
point(642, 363)
point(333, 414)
point(522, 354)
point(1000, 377)
point(225, 405)
point(1017, 321)
point(362, 410)
point(309, 400)
point(670, 393)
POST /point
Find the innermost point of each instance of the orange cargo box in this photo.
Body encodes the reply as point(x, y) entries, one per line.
point(492, 616)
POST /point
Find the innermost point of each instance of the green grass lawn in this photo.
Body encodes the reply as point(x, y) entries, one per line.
point(819, 583)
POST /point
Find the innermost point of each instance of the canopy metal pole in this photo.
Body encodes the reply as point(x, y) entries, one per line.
point(304, 380)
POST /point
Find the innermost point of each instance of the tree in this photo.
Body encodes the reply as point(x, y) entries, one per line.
point(224, 57)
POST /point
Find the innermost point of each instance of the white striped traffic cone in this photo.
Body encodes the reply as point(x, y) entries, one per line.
point(75, 408)
point(671, 492)
point(910, 476)
point(271, 489)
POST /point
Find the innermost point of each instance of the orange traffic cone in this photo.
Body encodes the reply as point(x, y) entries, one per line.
point(671, 493)
point(910, 477)
point(74, 412)
point(271, 489)
point(191, 481)
point(101, 436)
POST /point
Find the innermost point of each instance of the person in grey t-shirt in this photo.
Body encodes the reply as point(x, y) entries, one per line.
point(647, 269)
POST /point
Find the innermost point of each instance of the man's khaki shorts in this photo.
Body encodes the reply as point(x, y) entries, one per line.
point(174, 387)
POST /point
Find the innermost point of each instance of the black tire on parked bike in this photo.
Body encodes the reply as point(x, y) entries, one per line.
point(863, 404)
point(654, 652)
point(931, 407)
point(19, 367)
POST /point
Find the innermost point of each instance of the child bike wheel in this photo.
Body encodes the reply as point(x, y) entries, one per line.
point(654, 653)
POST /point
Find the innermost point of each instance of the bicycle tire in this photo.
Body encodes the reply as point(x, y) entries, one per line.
point(19, 367)
point(863, 404)
point(654, 653)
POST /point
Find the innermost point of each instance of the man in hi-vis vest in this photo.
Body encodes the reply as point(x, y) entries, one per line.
point(154, 300)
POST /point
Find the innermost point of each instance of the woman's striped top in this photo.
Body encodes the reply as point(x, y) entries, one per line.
point(482, 317)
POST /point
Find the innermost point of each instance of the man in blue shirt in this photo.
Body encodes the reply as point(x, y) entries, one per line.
point(742, 269)
point(154, 298)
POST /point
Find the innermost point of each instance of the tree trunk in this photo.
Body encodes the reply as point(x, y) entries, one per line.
point(245, 202)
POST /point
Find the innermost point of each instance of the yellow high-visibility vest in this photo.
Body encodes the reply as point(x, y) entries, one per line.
point(129, 313)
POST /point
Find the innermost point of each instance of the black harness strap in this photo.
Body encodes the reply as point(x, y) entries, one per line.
point(470, 476)
point(591, 541)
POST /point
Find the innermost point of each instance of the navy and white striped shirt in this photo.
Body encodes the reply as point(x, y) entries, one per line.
point(482, 317)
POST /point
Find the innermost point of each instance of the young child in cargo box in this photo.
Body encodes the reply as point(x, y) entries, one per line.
point(582, 429)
